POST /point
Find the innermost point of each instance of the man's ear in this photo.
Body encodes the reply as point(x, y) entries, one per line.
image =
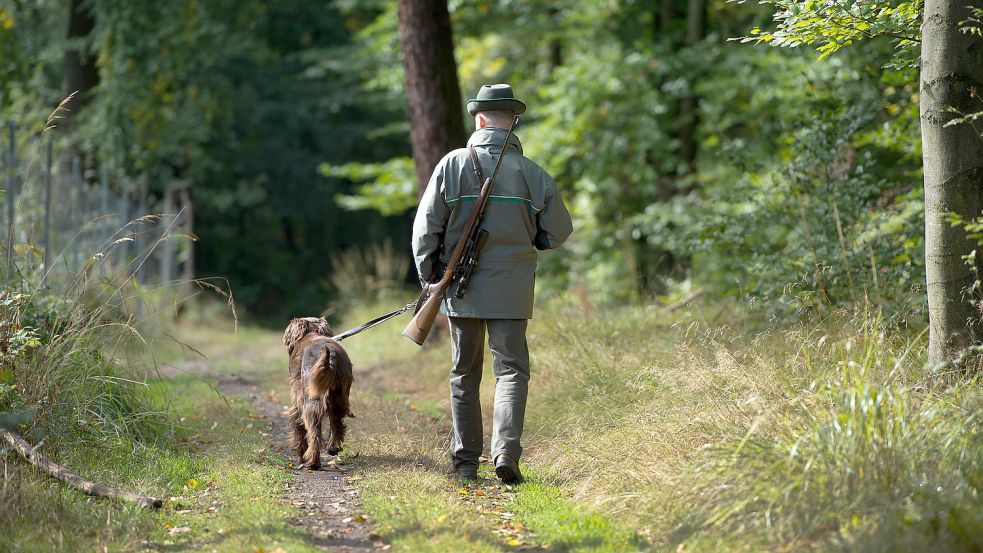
point(480, 121)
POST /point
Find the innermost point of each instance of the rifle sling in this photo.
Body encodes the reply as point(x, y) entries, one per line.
point(477, 166)
point(440, 266)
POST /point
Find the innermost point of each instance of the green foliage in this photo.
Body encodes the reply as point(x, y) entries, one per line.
point(645, 220)
point(289, 122)
point(390, 188)
point(830, 26)
point(837, 218)
point(973, 25)
point(243, 101)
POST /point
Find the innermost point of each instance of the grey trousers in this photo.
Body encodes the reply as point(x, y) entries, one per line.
point(510, 360)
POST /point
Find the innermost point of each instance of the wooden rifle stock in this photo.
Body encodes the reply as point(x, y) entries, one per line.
point(429, 303)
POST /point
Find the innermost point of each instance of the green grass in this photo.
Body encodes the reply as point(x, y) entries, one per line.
point(398, 453)
point(221, 484)
point(644, 432)
point(668, 432)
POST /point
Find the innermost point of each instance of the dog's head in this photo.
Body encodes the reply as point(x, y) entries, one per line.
point(302, 326)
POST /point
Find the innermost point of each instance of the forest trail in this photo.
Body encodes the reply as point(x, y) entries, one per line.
point(396, 454)
point(328, 507)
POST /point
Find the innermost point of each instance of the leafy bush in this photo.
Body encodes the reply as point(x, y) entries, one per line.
point(61, 365)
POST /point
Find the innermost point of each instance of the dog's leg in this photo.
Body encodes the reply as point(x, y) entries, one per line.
point(339, 409)
point(313, 411)
point(298, 433)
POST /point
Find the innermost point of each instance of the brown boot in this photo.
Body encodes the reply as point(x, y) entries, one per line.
point(507, 469)
point(465, 474)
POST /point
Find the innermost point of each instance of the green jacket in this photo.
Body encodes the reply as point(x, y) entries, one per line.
point(523, 214)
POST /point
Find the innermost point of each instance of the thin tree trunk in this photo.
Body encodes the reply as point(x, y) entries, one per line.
point(432, 89)
point(667, 13)
point(695, 31)
point(556, 42)
point(952, 65)
point(80, 72)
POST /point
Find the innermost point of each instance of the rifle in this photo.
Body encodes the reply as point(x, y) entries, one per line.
point(431, 296)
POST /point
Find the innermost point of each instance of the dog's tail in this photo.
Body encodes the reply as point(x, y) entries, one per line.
point(323, 374)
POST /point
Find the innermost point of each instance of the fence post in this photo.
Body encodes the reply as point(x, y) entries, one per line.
point(11, 193)
point(142, 237)
point(47, 209)
point(168, 221)
point(124, 219)
point(188, 213)
point(77, 213)
point(104, 201)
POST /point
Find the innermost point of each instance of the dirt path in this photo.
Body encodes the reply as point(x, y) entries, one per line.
point(328, 508)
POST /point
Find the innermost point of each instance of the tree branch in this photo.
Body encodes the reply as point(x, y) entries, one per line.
point(61, 473)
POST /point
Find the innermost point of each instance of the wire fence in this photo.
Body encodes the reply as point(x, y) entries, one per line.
point(66, 214)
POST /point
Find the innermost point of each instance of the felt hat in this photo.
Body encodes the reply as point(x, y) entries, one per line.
point(495, 96)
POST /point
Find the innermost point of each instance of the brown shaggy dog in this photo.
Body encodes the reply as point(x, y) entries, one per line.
point(320, 379)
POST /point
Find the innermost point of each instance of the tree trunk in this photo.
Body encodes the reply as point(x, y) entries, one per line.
point(695, 31)
point(952, 66)
point(556, 42)
point(667, 13)
point(80, 72)
point(432, 90)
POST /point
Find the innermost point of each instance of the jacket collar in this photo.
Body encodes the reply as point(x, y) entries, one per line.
point(493, 137)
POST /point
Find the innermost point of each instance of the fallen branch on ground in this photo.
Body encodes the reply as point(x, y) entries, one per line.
point(691, 297)
point(69, 477)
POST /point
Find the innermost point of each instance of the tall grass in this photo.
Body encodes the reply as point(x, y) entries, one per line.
point(74, 375)
point(72, 379)
point(874, 454)
point(712, 436)
point(369, 275)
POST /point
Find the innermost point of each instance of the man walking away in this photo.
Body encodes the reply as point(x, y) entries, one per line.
point(524, 214)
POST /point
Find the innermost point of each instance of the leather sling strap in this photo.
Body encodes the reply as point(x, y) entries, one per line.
point(477, 166)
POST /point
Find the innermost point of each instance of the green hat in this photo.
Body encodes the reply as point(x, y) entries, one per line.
point(495, 96)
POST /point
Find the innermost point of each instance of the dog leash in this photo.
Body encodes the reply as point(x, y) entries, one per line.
point(378, 320)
